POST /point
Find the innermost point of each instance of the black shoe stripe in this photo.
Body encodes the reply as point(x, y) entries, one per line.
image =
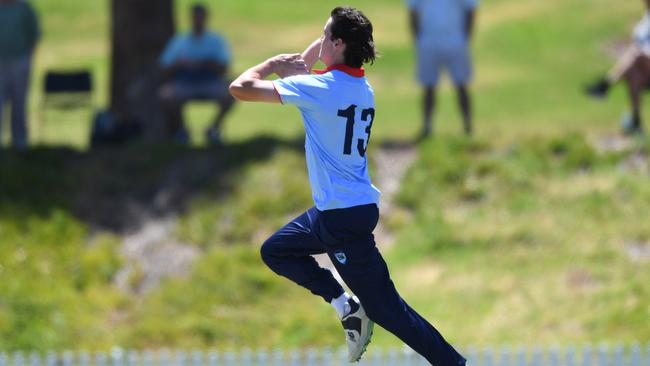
point(352, 323)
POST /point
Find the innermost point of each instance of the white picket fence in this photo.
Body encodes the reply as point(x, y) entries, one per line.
point(634, 355)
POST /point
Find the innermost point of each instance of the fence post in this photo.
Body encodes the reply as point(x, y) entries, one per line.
point(34, 359)
point(100, 359)
point(147, 358)
point(586, 356)
point(537, 356)
point(213, 358)
point(181, 358)
point(50, 359)
point(163, 357)
point(570, 356)
point(230, 358)
point(133, 358)
point(311, 357)
point(84, 358)
point(554, 356)
point(326, 357)
point(197, 358)
point(246, 357)
point(117, 356)
point(473, 356)
point(618, 356)
point(521, 356)
point(408, 356)
point(377, 357)
point(278, 357)
point(603, 352)
point(68, 358)
point(488, 357)
point(635, 355)
point(18, 359)
point(504, 356)
point(392, 357)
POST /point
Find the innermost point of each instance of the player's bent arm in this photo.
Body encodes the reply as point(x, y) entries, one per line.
point(251, 86)
point(311, 54)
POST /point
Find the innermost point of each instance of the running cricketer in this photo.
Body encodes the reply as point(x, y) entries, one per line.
point(338, 111)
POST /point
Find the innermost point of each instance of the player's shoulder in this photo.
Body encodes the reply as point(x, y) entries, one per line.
point(313, 80)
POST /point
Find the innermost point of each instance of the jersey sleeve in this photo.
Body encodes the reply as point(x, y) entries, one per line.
point(301, 90)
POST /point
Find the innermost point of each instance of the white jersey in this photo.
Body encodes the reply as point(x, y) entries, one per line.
point(338, 109)
point(641, 34)
point(442, 22)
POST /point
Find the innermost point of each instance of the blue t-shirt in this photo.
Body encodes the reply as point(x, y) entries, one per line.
point(338, 109)
point(442, 22)
point(209, 46)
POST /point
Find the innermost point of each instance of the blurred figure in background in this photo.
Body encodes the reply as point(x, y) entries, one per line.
point(633, 68)
point(442, 30)
point(19, 33)
point(195, 66)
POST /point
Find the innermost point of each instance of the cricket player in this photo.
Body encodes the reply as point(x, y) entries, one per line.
point(338, 111)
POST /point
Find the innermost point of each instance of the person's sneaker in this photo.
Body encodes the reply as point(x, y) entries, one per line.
point(598, 89)
point(630, 125)
point(213, 136)
point(358, 329)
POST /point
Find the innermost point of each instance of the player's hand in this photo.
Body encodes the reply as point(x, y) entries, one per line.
point(288, 64)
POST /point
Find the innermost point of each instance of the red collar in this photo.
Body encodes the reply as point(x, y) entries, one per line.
point(357, 72)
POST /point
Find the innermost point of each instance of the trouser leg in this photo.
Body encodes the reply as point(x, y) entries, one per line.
point(288, 253)
point(366, 273)
point(18, 100)
point(464, 102)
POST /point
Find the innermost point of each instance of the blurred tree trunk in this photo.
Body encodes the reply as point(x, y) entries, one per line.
point(140, 31)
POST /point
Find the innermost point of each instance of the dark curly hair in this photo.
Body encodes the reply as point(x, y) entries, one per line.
point(354, 28)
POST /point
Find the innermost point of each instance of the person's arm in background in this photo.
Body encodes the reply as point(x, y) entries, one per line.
point(251, 85)
point(169, 61)
point(33, 27)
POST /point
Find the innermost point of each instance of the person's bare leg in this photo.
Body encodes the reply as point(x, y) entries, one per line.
point(464, 102)
point(428, 103)
point(623, 64)
point(637, 77)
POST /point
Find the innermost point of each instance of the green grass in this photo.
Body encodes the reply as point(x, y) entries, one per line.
point(520, 235)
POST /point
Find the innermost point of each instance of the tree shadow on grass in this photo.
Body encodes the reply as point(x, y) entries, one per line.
point(117, 189)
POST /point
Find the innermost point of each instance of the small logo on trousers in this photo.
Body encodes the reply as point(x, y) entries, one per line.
point(340, 256)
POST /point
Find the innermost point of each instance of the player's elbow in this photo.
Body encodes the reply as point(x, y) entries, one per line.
point(237, 90)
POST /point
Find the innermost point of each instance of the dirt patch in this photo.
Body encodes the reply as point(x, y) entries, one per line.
point(153, 255)
point(637, 251)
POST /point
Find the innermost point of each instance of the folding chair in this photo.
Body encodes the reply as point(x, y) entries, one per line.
point(66, 90)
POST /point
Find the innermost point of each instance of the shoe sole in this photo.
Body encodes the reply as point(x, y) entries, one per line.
point(370, 329)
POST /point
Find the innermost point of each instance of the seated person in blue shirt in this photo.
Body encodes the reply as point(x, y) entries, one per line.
point(195, 66)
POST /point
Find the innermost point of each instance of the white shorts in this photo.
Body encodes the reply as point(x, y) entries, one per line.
point(456, 60)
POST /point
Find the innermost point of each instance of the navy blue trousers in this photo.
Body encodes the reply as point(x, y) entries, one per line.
point(346, 236)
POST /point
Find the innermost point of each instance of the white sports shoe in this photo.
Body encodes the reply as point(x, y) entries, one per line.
point(358, 329)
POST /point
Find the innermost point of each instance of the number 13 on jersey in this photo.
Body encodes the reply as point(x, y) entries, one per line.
point(349, 114)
